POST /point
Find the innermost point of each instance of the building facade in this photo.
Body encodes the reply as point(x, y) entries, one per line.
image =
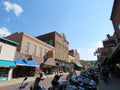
point(59, 42)
point(112, 43)
point(71, 60)
point(7, 53)
point(34, 52)
point(76, 62)
point(85, 64)
point(115, 18)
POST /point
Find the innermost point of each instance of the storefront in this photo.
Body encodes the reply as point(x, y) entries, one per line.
point(6, 68)
point(77, 66)
point(114, 57)
point(66, 66)
point(25, 68)
point(63, 66)
point(49, 67)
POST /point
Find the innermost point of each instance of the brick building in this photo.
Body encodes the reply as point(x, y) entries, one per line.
point(59, 42)
point(76, 62)
point(32, 51)
point(115, 17)
point(112, 43)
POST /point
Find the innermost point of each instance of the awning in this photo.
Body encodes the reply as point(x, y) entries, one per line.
point(27, 63)
point(6, 63)
point(115, 51)
point(78, 64)
point(50, 62)
point(114, 56)
point(32, 63)
point(20, 62)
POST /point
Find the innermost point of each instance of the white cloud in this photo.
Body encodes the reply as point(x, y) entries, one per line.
point(4, 31)
point(13, 6)
point(88, 54)
point(99, 44)
point(18, 10)
point(79, 50)
point(8, 6)
point(91, 50)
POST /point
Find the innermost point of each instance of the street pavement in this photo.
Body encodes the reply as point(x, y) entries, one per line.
point(15, 83)
point(113, 85)
point(19, 80)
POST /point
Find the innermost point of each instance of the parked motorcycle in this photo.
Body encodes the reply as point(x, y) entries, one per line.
point(56, 84)
point(88, 81)
point(36, 86)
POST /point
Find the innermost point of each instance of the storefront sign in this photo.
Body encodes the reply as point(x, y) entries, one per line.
point(50, 54)
point(109, 43)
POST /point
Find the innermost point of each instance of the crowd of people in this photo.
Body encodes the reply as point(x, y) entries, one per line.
point(107, 72)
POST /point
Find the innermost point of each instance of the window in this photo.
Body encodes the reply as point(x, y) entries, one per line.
point(51, 42)
point(0, 48)
point(45, 51)
point(34, 50)
point(40, 54)
point(27, 45)
point(45, 54)
point(46, 42)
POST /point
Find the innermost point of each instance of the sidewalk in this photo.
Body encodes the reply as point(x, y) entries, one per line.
point(19, 80)
point(114, 85)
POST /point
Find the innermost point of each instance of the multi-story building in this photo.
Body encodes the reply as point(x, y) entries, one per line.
point(7, 53)
point(71, 57)
point(84, 64)
point(112, 44)
point(59, 42)
point(71, 60)
point(76, 61)
point(32, 54)
point(115, 17)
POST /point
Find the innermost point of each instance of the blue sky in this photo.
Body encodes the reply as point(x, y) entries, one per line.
point(84, 22)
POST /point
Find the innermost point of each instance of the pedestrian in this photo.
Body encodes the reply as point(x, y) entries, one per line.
point(106, 74)
point(35, 84)
point(69, 75)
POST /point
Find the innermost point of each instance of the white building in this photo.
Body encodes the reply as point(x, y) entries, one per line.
point(7, 54)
